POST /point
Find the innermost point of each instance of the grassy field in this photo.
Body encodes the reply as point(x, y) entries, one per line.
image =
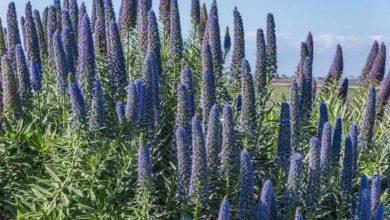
point(281, 91)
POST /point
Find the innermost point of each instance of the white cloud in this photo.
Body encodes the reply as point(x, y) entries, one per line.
point(250, 36)
point(327, 40)
point(377, 37)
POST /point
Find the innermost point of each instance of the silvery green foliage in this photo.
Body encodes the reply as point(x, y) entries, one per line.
point(183, 162)
point(238, 45)
point(199, 187)
point(11, 99)
point(364, 76)
point(248, 110)
point(368, 120)
point(283, 147)
point(272, 67)
point(246, 201)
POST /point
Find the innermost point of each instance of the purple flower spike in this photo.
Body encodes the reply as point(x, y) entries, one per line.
point(346, 180)
point(23, 76)
point(343, 91)
point(238, 45)
point(77, 102)
point(61, 64)
point(364, 76)
point(118, 74)
point(183, 118)
point(375, 192)
point(368, 121)
point(199, 187)
point(144, 166)
point(246, 202)
point(224, 210)
point(248, 111)
point(13, 36)
point(11, 100)
point(283, 148)
point(272, 66)
point(96, 117)
point(175, 44)
point(127, 17)
point(86, 69)
point(261, 64)
point(314, 173)
point(121, 112)
point(377, 71)
point(213, 144)
point(187, 79)
point(184, 162)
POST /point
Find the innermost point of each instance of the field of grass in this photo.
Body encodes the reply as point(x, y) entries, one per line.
point(281, 91)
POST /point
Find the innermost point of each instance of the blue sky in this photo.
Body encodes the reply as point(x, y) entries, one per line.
point(352, 23)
